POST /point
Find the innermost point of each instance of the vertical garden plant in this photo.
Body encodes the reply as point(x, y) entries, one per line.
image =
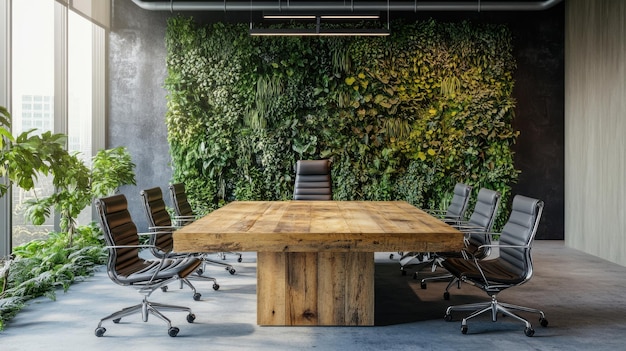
point(402, 117)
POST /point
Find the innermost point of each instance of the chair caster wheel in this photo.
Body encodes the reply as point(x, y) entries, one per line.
point(173, 331)
point(199, 271)
point(415, 275)
point(232, 271)
point(164, 288)
point(529, 332)
point(117, 320)
point(543, 321)
point(239, 259)
point(100, 331)
point(464, 329)
point(191, 317)
point(446, 295)
point(391, 256)
point(423, 285)
point(216, 286)
point(197, 296)
point(447, 318)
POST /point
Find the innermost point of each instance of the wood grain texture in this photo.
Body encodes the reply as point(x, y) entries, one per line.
point(315, 261)
point(317, 226)
point(271, 288)
point(326, 288)
point(595, 122)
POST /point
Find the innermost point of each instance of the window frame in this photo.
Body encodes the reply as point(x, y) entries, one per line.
point(99, 87)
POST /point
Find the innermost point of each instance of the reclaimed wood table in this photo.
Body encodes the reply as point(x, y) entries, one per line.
point(315, 259)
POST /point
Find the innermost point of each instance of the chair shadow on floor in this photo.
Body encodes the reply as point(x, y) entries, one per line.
point(399, 299)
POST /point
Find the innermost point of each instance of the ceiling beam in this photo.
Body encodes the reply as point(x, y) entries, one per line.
point(345, 6)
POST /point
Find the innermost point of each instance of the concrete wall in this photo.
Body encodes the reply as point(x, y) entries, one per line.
point(595, 110)
point(137, 100)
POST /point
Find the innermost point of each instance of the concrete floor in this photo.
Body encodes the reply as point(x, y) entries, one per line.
point(582, 296)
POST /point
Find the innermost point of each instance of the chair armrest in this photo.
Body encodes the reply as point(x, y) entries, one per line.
point(160, 232)
point(128, 246)
point(184, 217)
point(183, 220)
point(505, 246)
point(468, 235)
point(161, 261)
point(468, 227)
point(162, 228)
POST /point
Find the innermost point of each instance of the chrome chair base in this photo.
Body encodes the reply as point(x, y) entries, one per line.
point(147, 308)
point(496, 307)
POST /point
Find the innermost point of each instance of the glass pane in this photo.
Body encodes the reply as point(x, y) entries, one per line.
point(33, 83)
point(80, 83)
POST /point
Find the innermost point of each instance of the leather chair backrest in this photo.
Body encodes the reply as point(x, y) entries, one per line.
point(157, 215)
point(179, 199)
point(485, 209)
point(520, 229)
point(460, 199)
point(483, 216)
point(119, 229)
point(313, 180)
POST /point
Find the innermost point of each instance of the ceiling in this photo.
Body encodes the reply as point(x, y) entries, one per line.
point(342, 6)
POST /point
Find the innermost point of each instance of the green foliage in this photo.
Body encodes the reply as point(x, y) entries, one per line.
point(39, 267)
point(401, 117)
point(77, 186)
point(24, 157)
point(42, 266)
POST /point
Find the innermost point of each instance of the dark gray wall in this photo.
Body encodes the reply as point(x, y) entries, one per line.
point(137, 100)
point(540, 114)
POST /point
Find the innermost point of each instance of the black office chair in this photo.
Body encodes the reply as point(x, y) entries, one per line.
point(313, 180)
point(184, 215)
point(125, 267)
point(476, 238)
point(163, 243)
point(455, 213)
point(512, 267)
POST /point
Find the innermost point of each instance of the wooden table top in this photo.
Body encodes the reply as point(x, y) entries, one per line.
point(317, 226)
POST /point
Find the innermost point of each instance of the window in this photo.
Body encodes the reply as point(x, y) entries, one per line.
point(54, 60)
point(32, 74)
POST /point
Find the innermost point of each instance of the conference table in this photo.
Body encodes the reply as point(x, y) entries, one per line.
point(315, 259)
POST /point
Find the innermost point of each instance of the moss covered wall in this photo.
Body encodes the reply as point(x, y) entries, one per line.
point(537, 43)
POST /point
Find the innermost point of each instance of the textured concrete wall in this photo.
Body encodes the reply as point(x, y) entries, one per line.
point(137, 99)
point(595, 110)
point(138, 105)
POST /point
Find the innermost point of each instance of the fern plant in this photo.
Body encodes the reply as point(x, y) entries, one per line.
point(40, 267)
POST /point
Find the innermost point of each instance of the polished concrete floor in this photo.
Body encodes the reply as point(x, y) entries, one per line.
point(582, 295)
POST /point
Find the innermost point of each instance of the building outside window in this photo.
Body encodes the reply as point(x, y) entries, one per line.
point(54, 54)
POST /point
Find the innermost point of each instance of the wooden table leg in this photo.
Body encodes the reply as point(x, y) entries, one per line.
point(327, 288)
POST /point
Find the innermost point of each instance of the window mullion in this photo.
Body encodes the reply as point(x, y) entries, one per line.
point(60, 77)
point(5, 100)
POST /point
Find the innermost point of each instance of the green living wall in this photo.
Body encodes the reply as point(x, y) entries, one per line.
point(401, 117)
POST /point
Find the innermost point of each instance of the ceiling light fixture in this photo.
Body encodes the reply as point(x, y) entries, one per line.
point(318, 30)
point(370, 32)
point(289, 17)
point(350, 16)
